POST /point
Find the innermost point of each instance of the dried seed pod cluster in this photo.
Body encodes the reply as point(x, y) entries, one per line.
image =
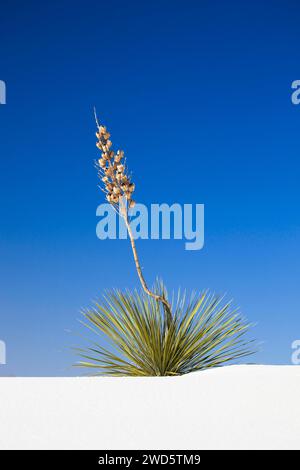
point(112, 170)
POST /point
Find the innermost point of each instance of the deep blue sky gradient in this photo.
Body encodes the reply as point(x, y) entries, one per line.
point(197, 93)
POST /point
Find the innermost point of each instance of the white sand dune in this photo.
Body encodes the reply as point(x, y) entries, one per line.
point(236, 407)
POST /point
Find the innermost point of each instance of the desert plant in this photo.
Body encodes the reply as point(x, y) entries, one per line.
point(204, 332)
point(149, 335)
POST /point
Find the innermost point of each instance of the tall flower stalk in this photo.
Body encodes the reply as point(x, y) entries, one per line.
point(118, 188)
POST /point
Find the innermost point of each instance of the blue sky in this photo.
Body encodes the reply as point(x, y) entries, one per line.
point(198, 94)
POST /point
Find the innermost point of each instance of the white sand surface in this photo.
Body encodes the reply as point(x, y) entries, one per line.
point(235, 407)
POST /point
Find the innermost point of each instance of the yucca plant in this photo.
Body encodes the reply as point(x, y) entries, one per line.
point(148, 334)
point(204, 332)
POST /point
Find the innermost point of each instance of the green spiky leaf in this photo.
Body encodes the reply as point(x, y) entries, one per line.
point(203, 332)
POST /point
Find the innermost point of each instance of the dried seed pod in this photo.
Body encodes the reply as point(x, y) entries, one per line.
point(102, 162)
point(131, 203)
point(117, 184)
point(109, 171)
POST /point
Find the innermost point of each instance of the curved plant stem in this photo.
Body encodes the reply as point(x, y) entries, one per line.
point(157, 297)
